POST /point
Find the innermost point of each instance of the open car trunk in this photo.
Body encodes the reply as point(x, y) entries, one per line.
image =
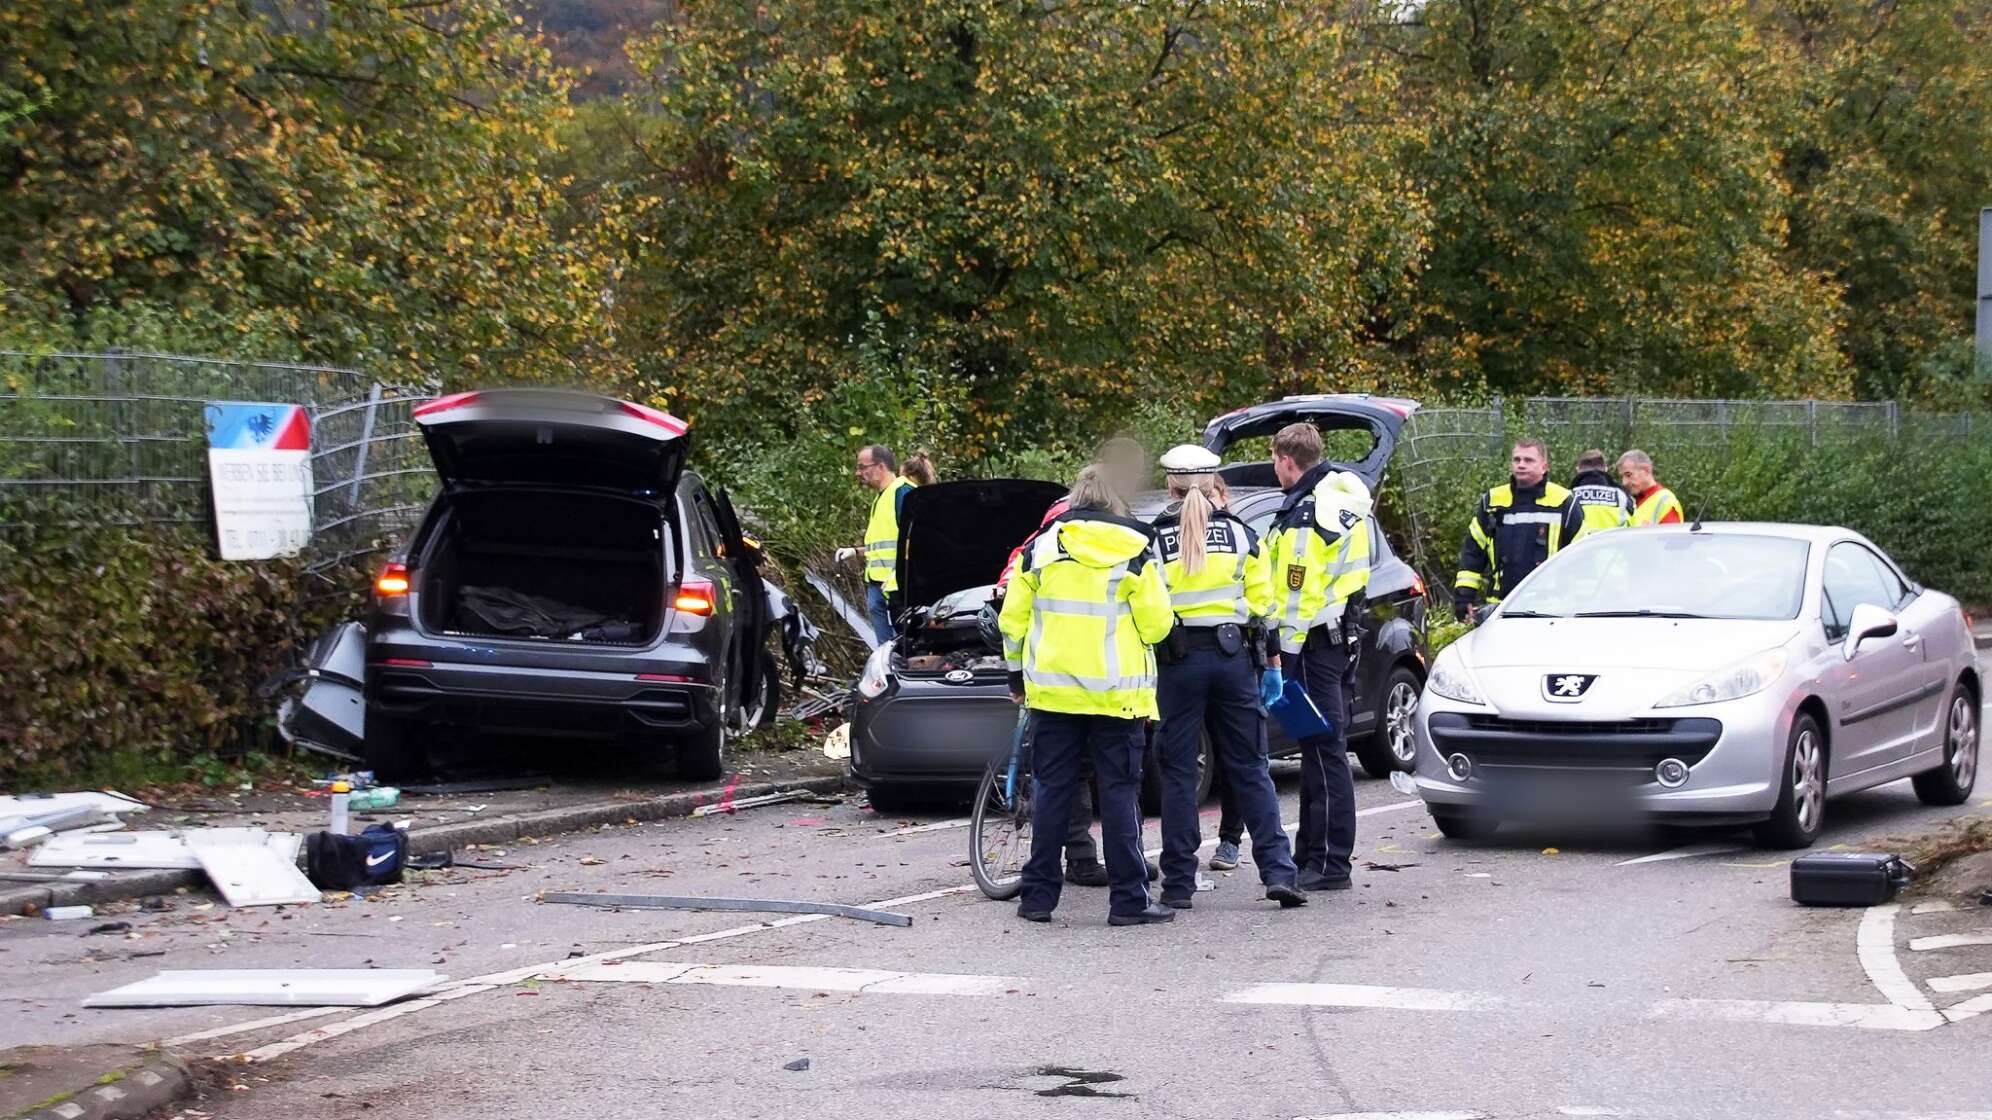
point(954, 539)
point(546, 565)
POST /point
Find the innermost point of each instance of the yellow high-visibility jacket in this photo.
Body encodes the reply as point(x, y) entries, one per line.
point(1318, 552)
point(882, 536)
point(1604, 505)
point(1086, 605)
point(1230, 587)
point(1657, 506)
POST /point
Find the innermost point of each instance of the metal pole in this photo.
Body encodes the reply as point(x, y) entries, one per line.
point(1985, 290)
point(366, 440)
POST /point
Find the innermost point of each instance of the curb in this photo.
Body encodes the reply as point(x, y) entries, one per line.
point(140, 1092)
point(433, 840)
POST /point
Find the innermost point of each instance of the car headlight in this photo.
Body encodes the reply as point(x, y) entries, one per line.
point(1451, 680)
point(1750, 675)
point(877, 676)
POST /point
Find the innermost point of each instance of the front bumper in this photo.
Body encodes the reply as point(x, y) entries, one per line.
point(1531, 763)
point(931, 733)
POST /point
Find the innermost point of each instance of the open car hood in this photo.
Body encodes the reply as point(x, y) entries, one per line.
point(957, 535)
point(539, 437)
point(1382, 417)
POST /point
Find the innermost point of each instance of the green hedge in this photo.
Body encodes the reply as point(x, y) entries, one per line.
point(1921, 496)
point(123, 642)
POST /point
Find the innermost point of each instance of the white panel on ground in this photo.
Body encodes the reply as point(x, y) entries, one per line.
point(252, 875)
point(107, 801)
point(272, 987)
point(160, 850)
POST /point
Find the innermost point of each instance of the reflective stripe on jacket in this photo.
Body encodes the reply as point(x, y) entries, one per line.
point(1657, 506)
point(1512, 532)
point(1230, 587)
point(1085, 607)
point(882, 536)
point(1317, 555)
point(1603, 505)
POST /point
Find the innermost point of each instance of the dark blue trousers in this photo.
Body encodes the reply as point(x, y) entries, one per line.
point(1215, 691)
point(1327, 834)
point(880, 613)
point(1059, 742)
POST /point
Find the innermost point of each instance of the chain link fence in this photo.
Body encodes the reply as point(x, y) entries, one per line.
point(121, 439)
point(1448, 456)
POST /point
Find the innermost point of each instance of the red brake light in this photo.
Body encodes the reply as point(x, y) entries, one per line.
point(663, 420)
point(406, 663)
point(695, 596)
point(393, 580)
point(444, 404)
point(1418, 586)
point(666, 678)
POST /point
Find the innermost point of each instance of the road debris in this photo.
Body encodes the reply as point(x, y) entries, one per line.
point(67, 913)
point(271, 987)
point(749, 905)
point(798, 1066)
point(729, 804)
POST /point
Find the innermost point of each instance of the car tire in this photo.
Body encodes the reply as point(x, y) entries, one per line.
point(1151, 777)
point(702, 755)
point(1801, 807)
point(1951, 781)
point(766, 704)
point(1465, 826)
point(395, 749)
point(1394, 743)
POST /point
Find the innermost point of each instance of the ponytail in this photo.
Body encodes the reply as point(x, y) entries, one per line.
point(1195, 520)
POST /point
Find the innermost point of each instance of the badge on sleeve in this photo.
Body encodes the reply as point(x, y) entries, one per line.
point(1296, 575)
point(1349, 519)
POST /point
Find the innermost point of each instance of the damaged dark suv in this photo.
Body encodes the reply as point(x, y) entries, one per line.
point(571, 581)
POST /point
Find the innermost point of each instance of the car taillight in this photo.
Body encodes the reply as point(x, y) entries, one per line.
point(666, 678)
point(1418, 586)
point(695, 596)
point(444, 404)
point(663, 420)
point(406, 663)
point(392, 581)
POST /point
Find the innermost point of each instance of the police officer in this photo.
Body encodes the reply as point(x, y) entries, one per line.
point(1603, 504)
point(1085, 607)
point(1318, 562)
point(1516, 526)
point(877, 468)
point(1217, 588)
point(1653, 504)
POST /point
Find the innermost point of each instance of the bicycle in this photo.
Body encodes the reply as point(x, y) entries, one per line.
point(999, 830)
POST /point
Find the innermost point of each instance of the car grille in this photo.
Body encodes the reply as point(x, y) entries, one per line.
point(1634, 744)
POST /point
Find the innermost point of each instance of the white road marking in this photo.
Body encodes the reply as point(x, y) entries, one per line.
point(1976, 1006)
point(1875, 946)
point(1969, 982)
point(1949, 941)
point(1688, 851)
point(1869, 1016)
point(255, 1025)
point(1361, 995)
point(1934, 906)
point(1588, 1110)
point(806, 978)
point(1398, 1116)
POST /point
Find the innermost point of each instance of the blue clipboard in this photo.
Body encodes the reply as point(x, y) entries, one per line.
point(1298, 716)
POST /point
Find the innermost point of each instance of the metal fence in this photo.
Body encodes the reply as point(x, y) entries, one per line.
point(1448, 452)
point(120, 439)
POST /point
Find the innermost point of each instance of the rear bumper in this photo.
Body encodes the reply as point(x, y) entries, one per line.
point(930, 733)
point(512, 699)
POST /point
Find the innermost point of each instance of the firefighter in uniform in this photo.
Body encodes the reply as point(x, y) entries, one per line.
point(1318, 562)
point(1653, 504)
point(1211, 677)
point(1516, 527)
point(1085, 607)
point(878, 469)
point(1603, 504)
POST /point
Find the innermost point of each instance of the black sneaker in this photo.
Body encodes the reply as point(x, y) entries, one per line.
point(1033, 915)
point(1178, 902)
point(1086, 873)
point(1149, 916)
point(1316, 881)
point(1287, 895)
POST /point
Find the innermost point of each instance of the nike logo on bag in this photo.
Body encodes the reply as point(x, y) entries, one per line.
point(376, 861)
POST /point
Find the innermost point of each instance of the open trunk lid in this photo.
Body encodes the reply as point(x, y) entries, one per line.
point(540, 437)
point(957, 535)
point(1382, 417)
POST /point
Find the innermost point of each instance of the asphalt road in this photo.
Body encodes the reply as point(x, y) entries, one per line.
point(1623, 974)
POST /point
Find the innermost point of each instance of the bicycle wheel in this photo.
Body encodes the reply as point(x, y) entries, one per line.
point(999, 832)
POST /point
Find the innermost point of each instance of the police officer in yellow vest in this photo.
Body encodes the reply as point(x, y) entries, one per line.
point(1086, 605)
point(878, 469)
point(1602, 503)
point(1653, 504)
point(1318, 563)
point(1516, 526)
point(1219, 591)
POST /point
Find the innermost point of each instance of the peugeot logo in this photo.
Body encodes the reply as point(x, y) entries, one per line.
point(959, 676)
point(1567, 688)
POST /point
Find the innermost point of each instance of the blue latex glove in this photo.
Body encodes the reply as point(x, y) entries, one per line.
point(1270, 685)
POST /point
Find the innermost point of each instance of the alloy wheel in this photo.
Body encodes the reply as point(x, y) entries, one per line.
point(1962, 739)
point(1399, 712)
point(1808, 785)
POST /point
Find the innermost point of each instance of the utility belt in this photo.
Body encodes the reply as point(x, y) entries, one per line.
point(1228, 639)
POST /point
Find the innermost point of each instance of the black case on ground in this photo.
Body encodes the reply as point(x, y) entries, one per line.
point(1847, 878)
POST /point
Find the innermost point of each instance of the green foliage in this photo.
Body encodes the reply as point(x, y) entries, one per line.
point(135, 645)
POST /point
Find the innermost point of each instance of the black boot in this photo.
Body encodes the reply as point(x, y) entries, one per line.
point(1086, 873)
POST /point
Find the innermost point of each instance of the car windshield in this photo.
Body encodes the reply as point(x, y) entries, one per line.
point(1636, 573)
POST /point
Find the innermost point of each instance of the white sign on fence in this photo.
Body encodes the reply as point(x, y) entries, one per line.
point(259, 458)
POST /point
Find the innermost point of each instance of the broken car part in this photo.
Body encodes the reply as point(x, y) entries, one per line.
point(749, 905)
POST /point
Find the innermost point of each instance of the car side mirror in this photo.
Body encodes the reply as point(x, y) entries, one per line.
point(1869, 621)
